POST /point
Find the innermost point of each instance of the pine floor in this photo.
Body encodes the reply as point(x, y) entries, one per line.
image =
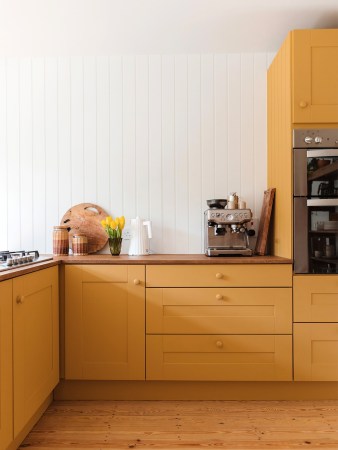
point(249, 425)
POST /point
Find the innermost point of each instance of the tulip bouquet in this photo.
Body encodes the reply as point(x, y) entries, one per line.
point(113, 227)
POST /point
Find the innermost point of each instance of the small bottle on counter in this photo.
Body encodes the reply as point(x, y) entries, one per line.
point(80, 245)
point(60, 240)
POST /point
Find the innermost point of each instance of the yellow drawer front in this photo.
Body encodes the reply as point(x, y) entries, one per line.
point(316, 298)
point(243, 275)
point(95, 273)
point(219, 311)
point(316, 351)
point(219, 358)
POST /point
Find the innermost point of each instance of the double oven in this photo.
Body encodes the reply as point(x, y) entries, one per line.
point(315, 200)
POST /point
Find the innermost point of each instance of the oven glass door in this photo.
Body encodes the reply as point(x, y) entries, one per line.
point(323, 235)
point(316, 173)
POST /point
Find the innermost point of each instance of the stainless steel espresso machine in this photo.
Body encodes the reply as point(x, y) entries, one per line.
point(225, 231)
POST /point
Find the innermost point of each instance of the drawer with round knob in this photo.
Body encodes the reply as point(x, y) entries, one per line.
point(242, 275)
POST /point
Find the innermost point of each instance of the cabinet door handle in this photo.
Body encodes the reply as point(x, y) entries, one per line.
point(219, 275)
point(302, 104)
point(219, 297)
point(137, 281)
point(20, 299)
point(219, 344)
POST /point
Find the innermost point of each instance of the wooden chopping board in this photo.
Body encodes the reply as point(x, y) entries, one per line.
point(264, 223)
point(85, 218)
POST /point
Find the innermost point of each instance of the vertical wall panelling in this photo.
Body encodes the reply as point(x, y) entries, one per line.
point(13, 151)
point(259, 131)
point(142, 137)
point(39, 156)
point(115, 136)
point(128, 115)
point(63, 123)
point(207, 126)
point(168, 153)
point(26, 154)
point(247, 129)
point(234, 123)
point(76, 130)
point(155, 151)
point(3, 155)
point(103, 156)
point(196, 203)
point(181, 155)
point(147, 135)
point(221, 126)
point(90, 86)
point(51, 145)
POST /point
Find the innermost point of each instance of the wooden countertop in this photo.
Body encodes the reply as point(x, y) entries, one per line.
point(148, 260)
point(171, 259)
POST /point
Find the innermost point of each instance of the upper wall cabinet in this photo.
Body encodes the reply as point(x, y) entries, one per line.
point(315, 76)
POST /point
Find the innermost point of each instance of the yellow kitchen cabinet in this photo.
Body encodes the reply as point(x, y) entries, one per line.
point(219, 357)
point(315, 81)
point(315, 298)
point(6, 368)
point(219, 310)
point(203, 325)
point(302, 87)
point(35, 342)
point(316, 351)
point(105, 322)
point(316, 327)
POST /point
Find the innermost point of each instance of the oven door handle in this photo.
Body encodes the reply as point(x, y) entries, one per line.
point(322, 153)
point(322, 202)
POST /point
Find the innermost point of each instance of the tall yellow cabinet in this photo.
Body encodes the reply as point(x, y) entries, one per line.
point(303, 93)
point(6, 372)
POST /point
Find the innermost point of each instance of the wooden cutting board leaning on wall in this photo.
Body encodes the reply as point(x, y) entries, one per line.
point(85, 218)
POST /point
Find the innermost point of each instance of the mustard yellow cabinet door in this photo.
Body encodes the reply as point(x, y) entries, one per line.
point(219, 311)
point(315, 64)
point(6, 372)
point(219, 357)
point(35, 342)
point(315, 298)
point(316, 351)
point(105, 322)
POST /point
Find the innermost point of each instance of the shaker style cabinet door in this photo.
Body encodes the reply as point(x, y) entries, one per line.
point(6, 373)
point(315, 351)
point(104, 322)
point(35, 342)
point(315, 80)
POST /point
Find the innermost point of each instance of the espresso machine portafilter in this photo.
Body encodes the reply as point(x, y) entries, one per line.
point(225, 230)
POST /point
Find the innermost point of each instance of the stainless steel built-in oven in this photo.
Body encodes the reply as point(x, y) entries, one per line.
point(315, 190)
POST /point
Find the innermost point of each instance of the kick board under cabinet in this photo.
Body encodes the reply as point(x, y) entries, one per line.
point(202, 324)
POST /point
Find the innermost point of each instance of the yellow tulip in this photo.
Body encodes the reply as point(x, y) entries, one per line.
point(117, 220)
point(113, 224)
point(103, 223)
point(122, 222)
point(108, 220)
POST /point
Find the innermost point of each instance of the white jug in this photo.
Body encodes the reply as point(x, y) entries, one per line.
point(140, 235)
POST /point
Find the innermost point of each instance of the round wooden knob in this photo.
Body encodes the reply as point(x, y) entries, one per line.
point(137, 281)
point(219, 344)
point(219, 275)
point(19, 299)
point(219, 297)
point(302, 104)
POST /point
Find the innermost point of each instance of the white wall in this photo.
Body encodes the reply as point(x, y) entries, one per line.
point(154, 136)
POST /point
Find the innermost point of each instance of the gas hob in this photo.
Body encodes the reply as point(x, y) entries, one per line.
point(21, 258)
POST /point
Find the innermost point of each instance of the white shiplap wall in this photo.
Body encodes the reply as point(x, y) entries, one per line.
point(154, 136)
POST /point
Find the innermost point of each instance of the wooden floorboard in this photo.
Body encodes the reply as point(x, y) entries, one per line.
point(249, 425)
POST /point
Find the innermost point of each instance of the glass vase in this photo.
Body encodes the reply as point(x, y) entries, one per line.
point(115, 245)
